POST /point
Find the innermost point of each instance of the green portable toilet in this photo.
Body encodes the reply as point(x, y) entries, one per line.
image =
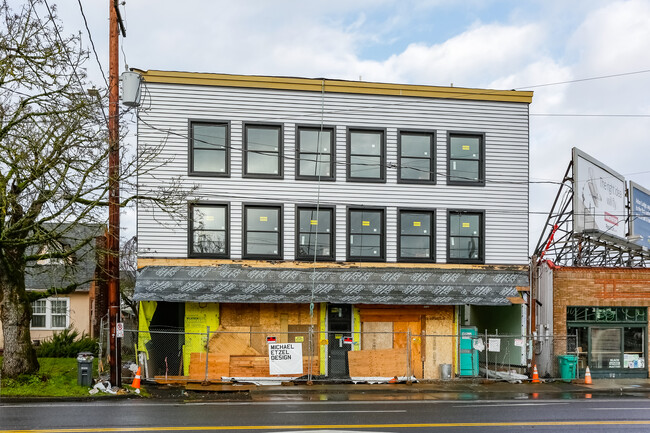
point(468, 355)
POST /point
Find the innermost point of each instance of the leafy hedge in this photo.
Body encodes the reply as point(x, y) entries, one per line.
point(67, 344)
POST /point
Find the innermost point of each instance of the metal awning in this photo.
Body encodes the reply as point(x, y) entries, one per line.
point(234, 283)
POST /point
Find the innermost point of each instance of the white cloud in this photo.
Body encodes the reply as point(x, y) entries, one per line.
point(528, 45)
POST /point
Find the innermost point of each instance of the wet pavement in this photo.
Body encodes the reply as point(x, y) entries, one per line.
point(459, 389)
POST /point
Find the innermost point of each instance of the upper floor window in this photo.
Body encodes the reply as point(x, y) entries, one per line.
point(209, 152)
point(416, 240)
point(263, 151)
point(466, 163)
point(208, 234)
point(366, 234)
point(416, 157)
point(466, 237)
point(315, 234)
point(315, 153)
point(262, 232)
point(51, 313)
point(366, 155)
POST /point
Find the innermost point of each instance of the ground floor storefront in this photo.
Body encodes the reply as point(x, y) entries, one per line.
point(603, 313)
point(234, 322)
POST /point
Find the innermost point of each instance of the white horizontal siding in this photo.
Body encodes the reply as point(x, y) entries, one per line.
point(504, 197)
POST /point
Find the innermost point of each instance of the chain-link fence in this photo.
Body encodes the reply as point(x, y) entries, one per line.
point(104, 348)
point(243, 355)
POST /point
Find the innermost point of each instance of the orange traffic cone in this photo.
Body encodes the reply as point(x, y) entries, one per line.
point(535, 375)
point(136, 381)
point(587, 376)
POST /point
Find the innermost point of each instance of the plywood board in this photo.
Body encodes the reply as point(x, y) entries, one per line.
point(297, 314)
point(401, 340)
point(300, 334)
point(377, 363)
point(258, 338)
point(376, 335)
point(284, 328)
point(240, 314)
point(170, 380)
point(218, 366)
point(439, 345)
point(258, 366)
point(232, 340)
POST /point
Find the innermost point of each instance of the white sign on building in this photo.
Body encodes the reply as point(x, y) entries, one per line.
point(285, 358)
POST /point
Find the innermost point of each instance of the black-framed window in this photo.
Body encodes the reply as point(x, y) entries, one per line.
point(366, 234)
point(465, 236)
point(315, 153)
point(466, 161)
point(208, 234)
point(315, 233)
point(263, 151)
point(209, 148)
point(416, 235)
point(366, 155)
point(262, 232)
point(416, 157)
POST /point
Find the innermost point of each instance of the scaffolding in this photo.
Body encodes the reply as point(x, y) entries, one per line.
point(564, 247)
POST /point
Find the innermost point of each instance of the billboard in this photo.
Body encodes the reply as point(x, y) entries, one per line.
point(639, 215)
point(598, 197)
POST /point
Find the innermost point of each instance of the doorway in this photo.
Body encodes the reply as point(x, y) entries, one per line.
point(339, 319)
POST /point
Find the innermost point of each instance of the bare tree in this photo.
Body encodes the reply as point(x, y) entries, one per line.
point(128, 270)
point(53, 164)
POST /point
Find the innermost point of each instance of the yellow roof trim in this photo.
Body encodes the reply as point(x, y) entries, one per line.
point(334, 86)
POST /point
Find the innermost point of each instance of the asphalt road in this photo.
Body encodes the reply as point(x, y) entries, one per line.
point(560, 415)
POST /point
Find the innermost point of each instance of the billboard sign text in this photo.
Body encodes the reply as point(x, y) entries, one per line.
point(598, 197)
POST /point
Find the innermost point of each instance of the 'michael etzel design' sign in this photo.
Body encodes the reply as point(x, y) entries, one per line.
point(285, 358)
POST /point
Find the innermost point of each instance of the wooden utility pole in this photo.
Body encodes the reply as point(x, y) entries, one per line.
point(113, 241)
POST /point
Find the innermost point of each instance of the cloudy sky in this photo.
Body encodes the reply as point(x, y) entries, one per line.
point(517, 44)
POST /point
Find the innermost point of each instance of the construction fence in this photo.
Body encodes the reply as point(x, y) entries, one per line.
point(311, 355)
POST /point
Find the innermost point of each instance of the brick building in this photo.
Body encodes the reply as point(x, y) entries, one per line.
point(601, 315)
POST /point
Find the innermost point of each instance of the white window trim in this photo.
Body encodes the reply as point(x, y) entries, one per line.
point(48, 314)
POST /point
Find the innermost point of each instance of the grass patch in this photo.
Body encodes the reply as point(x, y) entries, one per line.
point(57, 377)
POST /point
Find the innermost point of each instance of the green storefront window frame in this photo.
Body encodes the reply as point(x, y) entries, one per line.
point(578, 314)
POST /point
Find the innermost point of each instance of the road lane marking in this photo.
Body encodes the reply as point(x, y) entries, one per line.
point(618, 408)
point(342, 411)
point(510, 405)
point(330, 427)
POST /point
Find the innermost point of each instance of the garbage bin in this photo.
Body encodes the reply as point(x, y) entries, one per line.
point(568, 366)
point(445, 371)
point(85, 369)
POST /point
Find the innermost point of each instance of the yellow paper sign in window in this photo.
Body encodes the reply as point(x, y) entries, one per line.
point(465, 224)
point(417, 223)
point(209, 217)
point(365, 223)
point(263, 218)
point(313, 222)
point(465, 147)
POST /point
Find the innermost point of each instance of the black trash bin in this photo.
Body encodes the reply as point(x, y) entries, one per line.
point(85, 369)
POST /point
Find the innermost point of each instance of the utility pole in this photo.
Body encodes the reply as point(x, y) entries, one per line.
point(113, 241)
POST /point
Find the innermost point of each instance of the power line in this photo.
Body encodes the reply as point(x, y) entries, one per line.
point(580, 80)
point(92, 43)
point(67, 55)
point(335, 162)
point(588, 115)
